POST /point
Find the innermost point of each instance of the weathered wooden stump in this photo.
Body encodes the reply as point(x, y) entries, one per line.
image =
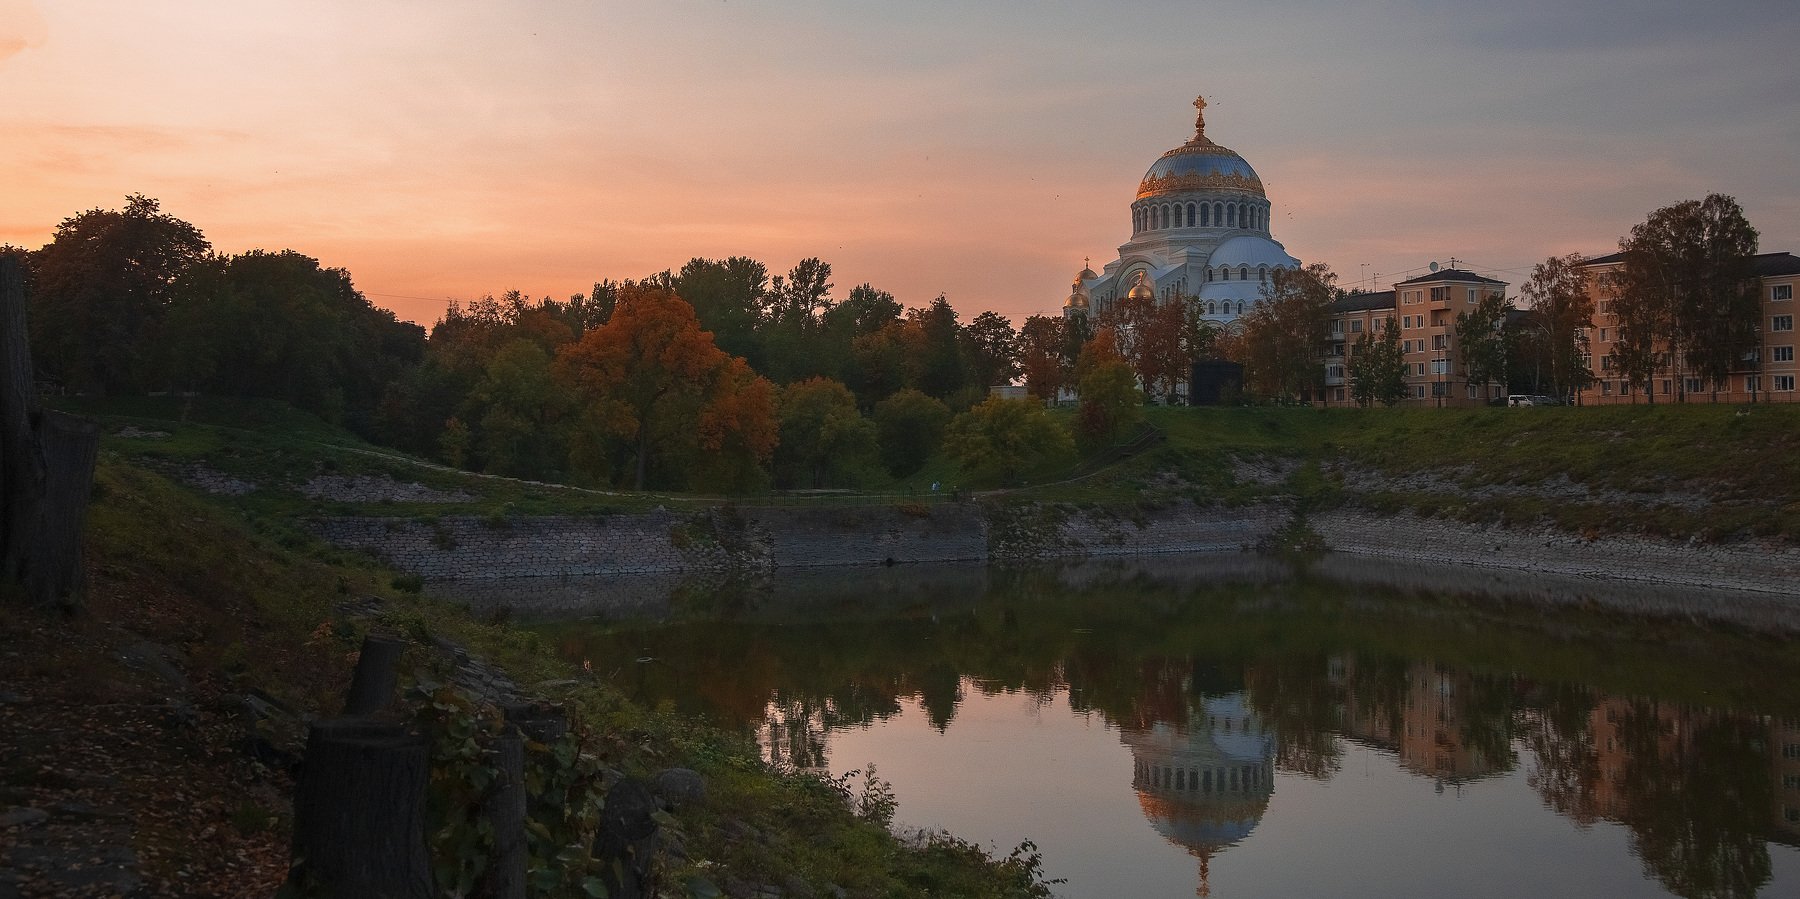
point(359, 813)
point(626, 843)
point(377, 673)
point(46, 470)
point(504, 810)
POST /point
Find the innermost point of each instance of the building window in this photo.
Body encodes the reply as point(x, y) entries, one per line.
point(1337, 326)
point(1240, 307)
point(1783, 354)
point(1262, 274)
point(1190, 217)
point(1781, 323)
point(1440, 341)
point(1440, 294)
point(1752, 383)
point(1231, 216)
point(1205, 215)
point(1692, 385)
point(1243, 273)
point(1340, 394)
point(1784, 383)
point(1419, 392)
point(1781, 292)
point(1356, 326)
point(1471, 296)
point(1606, 388)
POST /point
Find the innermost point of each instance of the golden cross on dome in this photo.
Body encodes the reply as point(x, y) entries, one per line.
point(1200, 117)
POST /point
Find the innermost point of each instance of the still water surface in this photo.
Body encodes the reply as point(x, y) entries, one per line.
point(1236, 728)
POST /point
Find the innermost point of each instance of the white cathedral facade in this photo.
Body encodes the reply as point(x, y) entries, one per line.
point(1199, 233)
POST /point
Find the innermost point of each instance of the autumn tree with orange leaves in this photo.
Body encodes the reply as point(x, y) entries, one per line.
point(650, 378)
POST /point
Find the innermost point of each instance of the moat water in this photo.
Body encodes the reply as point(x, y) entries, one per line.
point(1237, 727)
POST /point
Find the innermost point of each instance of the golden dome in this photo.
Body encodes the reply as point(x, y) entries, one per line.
point(1200, 165)
point(1139, 289)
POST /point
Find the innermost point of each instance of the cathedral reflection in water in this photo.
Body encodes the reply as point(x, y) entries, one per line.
point(1204, 784)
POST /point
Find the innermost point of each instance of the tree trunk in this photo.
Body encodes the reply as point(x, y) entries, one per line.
point(46, 470)
point(372, 686)
point(359, 813)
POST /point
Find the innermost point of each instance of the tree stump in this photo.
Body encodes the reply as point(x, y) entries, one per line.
point(504, 810)
point(377, 672)
point(359, 813)
point(46, 470)
point(626, 843)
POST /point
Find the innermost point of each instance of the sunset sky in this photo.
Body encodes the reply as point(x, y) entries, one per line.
point(442, 149)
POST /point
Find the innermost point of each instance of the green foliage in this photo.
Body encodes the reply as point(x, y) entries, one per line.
point(825, 441)
point(563, 783)
point(1377, 367)
point(1562, 311)
point(910, 426)
point(1481, 339)
point(1110, 405)
point(1002, 437)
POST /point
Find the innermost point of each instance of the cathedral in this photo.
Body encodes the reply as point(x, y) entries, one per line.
point(1199, 232)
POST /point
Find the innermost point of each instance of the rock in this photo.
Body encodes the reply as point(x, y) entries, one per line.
point(680, 787)
point(23, 817)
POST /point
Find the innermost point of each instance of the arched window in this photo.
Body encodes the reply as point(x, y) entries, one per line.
point(1206, 215)
point(1240, 307)
point(1212, 308)
point(1262, 274)
point(1190, 215)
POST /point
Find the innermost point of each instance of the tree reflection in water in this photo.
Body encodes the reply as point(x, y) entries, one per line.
point(1660, 726)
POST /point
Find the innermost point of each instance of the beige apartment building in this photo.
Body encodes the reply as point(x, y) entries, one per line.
point(1426, 308)
point(1768, 375)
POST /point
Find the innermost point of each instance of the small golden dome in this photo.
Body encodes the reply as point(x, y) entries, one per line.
point(1139, 289)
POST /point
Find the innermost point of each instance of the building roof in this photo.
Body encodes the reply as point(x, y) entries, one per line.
point(1364, 302)
point(1773, 264)
point(1766, 264)
point(1452, 274)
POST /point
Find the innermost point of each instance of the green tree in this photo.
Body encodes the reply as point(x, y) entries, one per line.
point(1378, 368)
point(1686, 292)
point(1558, 293)
point(1481, 338)
point(1041, 355)
point(992, 347)
point(1003, 437)
point(1110, 400)
point(100, 289)
point(521, 407)
point(825, 441)
point(941, 371)
point(1284, 336)
point(910, 426)
point(728, 296)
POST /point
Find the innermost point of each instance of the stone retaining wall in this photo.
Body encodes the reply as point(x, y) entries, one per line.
point(762, 540)
point(756, 540)
point(1756, 566)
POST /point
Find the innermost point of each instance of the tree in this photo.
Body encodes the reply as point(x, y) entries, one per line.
point(1003, 437)
point(1686, 288)
point(1284, 336)
point(825, 441)
point(941, 371)
point(1378, 368)
point(1110, 400)
point(521, 409)
point(651, 371)
point(1558, 293)
point(100, 289)
point(1481, 338)
point(992, 347)
point(1153, 338)
point(910, 425)
point(728, 296)
point(1041, 356)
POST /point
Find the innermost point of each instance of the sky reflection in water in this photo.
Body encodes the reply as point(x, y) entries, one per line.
point(1234, 728)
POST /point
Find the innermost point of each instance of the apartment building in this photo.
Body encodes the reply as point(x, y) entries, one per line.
point(1426, 308)
point(1768, 374)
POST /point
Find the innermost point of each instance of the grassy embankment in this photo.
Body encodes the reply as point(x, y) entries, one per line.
point(134, 705)
point(1713, 472)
